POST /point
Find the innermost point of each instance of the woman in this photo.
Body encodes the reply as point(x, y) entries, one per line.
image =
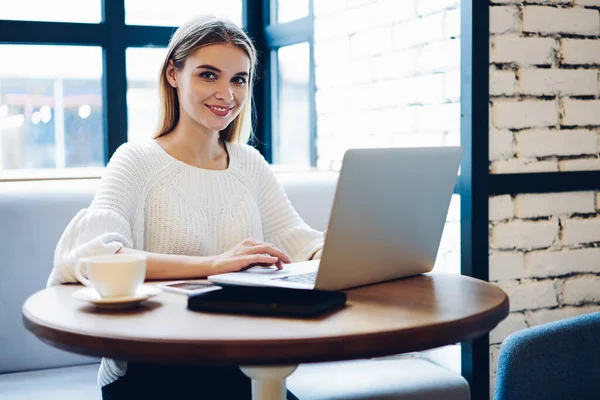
point(196, 200)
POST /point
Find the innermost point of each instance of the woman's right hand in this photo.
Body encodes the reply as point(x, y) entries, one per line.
point(247, 254)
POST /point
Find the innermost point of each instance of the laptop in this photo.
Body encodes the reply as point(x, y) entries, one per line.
point(386, 222)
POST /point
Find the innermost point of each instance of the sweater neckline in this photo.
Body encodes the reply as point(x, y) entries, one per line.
point(228, 148)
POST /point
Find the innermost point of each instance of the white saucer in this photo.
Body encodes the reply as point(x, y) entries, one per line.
point(92, 296)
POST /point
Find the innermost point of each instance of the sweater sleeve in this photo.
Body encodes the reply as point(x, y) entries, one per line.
point(282, 226)
point(106, 226)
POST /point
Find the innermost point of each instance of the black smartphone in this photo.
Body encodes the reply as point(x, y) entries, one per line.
point(272, 301)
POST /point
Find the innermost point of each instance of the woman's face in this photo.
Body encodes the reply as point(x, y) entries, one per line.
point(212, 85)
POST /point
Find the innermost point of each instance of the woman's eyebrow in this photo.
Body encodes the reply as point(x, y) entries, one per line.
point(215, 69)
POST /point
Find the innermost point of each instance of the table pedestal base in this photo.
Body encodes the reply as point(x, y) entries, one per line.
point(268, 383)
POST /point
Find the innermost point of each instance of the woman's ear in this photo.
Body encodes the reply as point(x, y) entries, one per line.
point(171, 74)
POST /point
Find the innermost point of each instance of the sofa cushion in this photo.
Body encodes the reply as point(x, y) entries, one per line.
point(403, 379)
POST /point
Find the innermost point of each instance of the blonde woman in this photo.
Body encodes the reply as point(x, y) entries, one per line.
point(196, 200)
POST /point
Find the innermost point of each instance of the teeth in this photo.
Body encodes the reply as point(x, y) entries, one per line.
point(220, 109)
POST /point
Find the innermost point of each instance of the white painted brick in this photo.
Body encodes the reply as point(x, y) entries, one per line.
point(501, 144)
point(526, 235)
point(502, 83)
point(543, 264)
point(558, 81)
point(418, 140)
point(432, 6)
point(584, 289)
point(437, 118)
point(332, 100)
point(523, 50)
point(332, 52)
point(451, 86)
point(373, 42)
point(501, 208)
point(393, 10)
point(581, 230)
point(506, 266)
point(523, 165)
point(545, 142)
point(524, 114)
point(424, 89)
point(357, 3)
point(504, 19)
point(578, 21)
point(440, 56)
point(548, 204)
point(325, 7)
point(394, 65)
point(591, 3)
point(418, 31)
point(514, 322)
point(540, 317)
point(581, 112)
point(331, 76)
point(452, 23)
point(530, 295)
point(580, 51)
point(585, 164)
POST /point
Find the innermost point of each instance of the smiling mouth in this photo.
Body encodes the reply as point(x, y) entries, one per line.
point(220, 111)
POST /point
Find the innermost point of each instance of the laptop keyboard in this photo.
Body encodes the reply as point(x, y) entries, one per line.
point(309, 278)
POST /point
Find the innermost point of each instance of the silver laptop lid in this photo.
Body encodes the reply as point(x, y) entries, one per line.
point(388, 214)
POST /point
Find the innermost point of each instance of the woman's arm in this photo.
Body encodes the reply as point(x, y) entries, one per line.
point(172, 266)
point(246, 254)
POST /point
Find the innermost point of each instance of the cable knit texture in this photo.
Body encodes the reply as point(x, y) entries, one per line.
point(148, 200)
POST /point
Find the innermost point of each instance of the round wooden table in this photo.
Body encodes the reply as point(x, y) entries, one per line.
point(394, 317)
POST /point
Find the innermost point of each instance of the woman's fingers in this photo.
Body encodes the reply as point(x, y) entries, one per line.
point(271, 250)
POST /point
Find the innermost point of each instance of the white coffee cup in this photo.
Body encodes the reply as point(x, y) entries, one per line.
point(113, 275)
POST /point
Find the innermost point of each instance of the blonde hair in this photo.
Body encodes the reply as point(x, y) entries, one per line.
point(197, 33)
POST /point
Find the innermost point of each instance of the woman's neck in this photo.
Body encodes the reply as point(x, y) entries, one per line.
point(195, 146)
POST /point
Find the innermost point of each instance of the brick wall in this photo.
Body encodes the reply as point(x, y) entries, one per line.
point(544, 85)
point(544, 253)
point(544, 116)
point(387, 74)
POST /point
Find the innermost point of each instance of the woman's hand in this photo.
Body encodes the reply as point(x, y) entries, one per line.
point(247, 254)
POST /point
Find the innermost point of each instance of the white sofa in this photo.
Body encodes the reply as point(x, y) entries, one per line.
point(32, 218)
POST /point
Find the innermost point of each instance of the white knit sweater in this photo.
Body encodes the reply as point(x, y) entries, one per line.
point(148, 200)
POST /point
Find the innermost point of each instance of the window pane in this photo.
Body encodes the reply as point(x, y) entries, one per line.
point(176, 12)
point(290, 10)
point(143, 67)
point(50, 114)
point(292, 138)
point(54, 11)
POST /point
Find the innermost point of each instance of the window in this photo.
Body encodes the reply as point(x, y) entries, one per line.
point(143, 68)
point(293, 114)
point(176, 12)
point(55, 10)
point(50, 114)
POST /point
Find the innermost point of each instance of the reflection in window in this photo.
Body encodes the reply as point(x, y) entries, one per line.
point(290, 10)
point(52, 11)
point(176, 12)
point(143, 68)
point(50, 114)
point(291, 140)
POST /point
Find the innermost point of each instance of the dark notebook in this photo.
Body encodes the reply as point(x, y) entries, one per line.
point(268, 301)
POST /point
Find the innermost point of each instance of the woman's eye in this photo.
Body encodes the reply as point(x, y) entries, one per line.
point(239, 80)
point(207, 75)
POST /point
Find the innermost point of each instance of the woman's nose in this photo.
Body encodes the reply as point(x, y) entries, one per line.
point(225, 93)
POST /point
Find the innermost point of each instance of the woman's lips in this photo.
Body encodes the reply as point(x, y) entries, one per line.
point(219, 111)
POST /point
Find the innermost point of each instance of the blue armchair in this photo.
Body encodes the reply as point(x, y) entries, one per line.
point(558, 360)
